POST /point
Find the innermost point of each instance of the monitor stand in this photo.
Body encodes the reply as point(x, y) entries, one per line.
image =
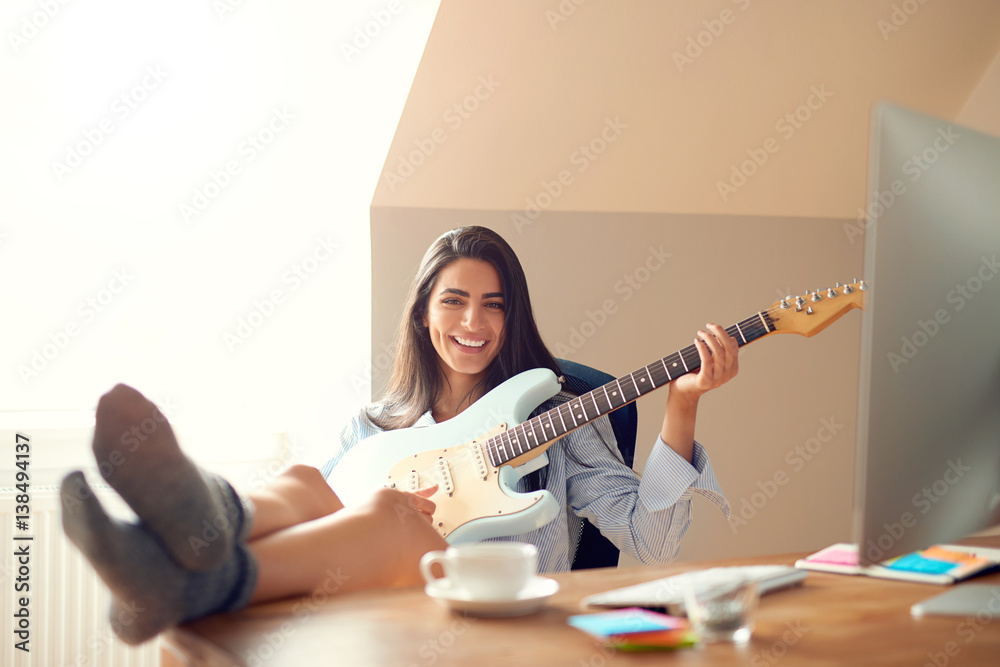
point(980, 601)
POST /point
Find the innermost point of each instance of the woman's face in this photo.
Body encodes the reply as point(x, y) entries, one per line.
point(465, 317)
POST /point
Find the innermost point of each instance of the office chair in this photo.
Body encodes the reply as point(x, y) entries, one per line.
point(595, 550)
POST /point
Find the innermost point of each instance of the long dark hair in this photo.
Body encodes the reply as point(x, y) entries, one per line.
point(416, 376)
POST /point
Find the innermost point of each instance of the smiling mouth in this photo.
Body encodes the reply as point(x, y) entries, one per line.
point(467, 342)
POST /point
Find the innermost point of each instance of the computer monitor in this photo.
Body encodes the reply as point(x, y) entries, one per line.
point(929, 398)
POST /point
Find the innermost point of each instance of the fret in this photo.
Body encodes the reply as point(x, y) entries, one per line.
point(686, 369)
point(513, 441)
point(764, 322)
point(665, 369)
point(631, 376)
point(533, 424)
point(621, 393)
point(607, 398)
point(506, 450)
point(741, 333)
point(569, 406)
point(552, 427)
point(562, 421)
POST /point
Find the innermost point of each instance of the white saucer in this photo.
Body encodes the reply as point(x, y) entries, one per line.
point(527, 601)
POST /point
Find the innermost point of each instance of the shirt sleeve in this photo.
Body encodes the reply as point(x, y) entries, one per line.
point(645, 518)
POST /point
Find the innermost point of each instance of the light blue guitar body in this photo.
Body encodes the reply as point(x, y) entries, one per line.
point(475, 500)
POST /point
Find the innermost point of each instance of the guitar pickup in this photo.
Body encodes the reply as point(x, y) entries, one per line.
point(444, 476)
point(409, 483)
point(479, 460)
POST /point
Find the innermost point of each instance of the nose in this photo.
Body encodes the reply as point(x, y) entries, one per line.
point(472, 318)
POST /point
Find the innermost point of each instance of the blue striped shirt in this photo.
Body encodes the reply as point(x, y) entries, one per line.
point(644, 517)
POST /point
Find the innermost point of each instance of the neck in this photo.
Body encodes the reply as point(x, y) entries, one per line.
point(455, 395)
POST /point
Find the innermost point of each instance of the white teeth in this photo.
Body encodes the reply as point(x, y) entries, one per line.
point(470, 343)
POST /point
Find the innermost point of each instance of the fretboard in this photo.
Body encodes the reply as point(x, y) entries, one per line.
point(560, 420)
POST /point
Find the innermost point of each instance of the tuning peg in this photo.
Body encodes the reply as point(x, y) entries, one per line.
point(784, 302)
point(815, 296)
point(863, 286)
point(848, 289)
point(809, 310)
point(830, 293)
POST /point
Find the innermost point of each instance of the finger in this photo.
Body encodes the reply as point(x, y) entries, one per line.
point(714, 346)
point(706, 372)
point(427, 491)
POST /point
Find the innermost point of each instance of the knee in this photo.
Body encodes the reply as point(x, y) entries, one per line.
point(306, 475)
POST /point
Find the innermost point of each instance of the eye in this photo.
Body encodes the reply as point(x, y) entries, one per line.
point(496, 305)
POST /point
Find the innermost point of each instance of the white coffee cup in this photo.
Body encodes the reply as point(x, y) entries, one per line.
point(484, 570)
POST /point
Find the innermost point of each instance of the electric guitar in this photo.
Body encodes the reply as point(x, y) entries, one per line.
point(477, 457)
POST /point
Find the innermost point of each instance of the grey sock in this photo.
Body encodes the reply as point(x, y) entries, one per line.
point(150, 591)
point(197, 516)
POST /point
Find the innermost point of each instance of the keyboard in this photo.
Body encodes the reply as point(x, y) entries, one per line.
point(667, 593)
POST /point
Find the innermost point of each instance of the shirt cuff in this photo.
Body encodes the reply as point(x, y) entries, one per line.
point(669, 478)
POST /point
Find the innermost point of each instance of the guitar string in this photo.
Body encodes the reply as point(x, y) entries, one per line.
point(461, 461)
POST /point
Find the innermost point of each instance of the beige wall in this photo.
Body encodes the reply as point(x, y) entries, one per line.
point(687, 126)
point(545, 89)
point(982, 109)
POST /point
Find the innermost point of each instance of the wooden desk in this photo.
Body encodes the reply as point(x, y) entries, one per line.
point(829, 620)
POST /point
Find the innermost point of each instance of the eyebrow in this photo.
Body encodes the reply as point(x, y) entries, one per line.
point(488, 295)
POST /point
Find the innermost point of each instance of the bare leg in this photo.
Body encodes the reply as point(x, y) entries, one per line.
point(374, 545)
point(297, 495)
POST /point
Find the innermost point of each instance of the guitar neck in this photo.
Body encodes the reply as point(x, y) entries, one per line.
point(542, 429)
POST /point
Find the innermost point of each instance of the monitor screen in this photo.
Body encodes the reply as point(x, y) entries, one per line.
point(929, 398)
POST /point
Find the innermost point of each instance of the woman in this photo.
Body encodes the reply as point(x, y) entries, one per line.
point(467, 327)
point(200, 548)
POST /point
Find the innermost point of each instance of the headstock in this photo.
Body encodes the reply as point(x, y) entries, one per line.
point(812, 312)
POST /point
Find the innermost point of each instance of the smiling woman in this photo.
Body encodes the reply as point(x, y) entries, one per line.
point(467, 344)
point(464, 320)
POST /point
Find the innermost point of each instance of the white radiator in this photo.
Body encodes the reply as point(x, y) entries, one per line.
point(68, 603)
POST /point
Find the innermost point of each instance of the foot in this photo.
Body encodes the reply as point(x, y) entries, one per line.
point(150, 592)
point(196, 515)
